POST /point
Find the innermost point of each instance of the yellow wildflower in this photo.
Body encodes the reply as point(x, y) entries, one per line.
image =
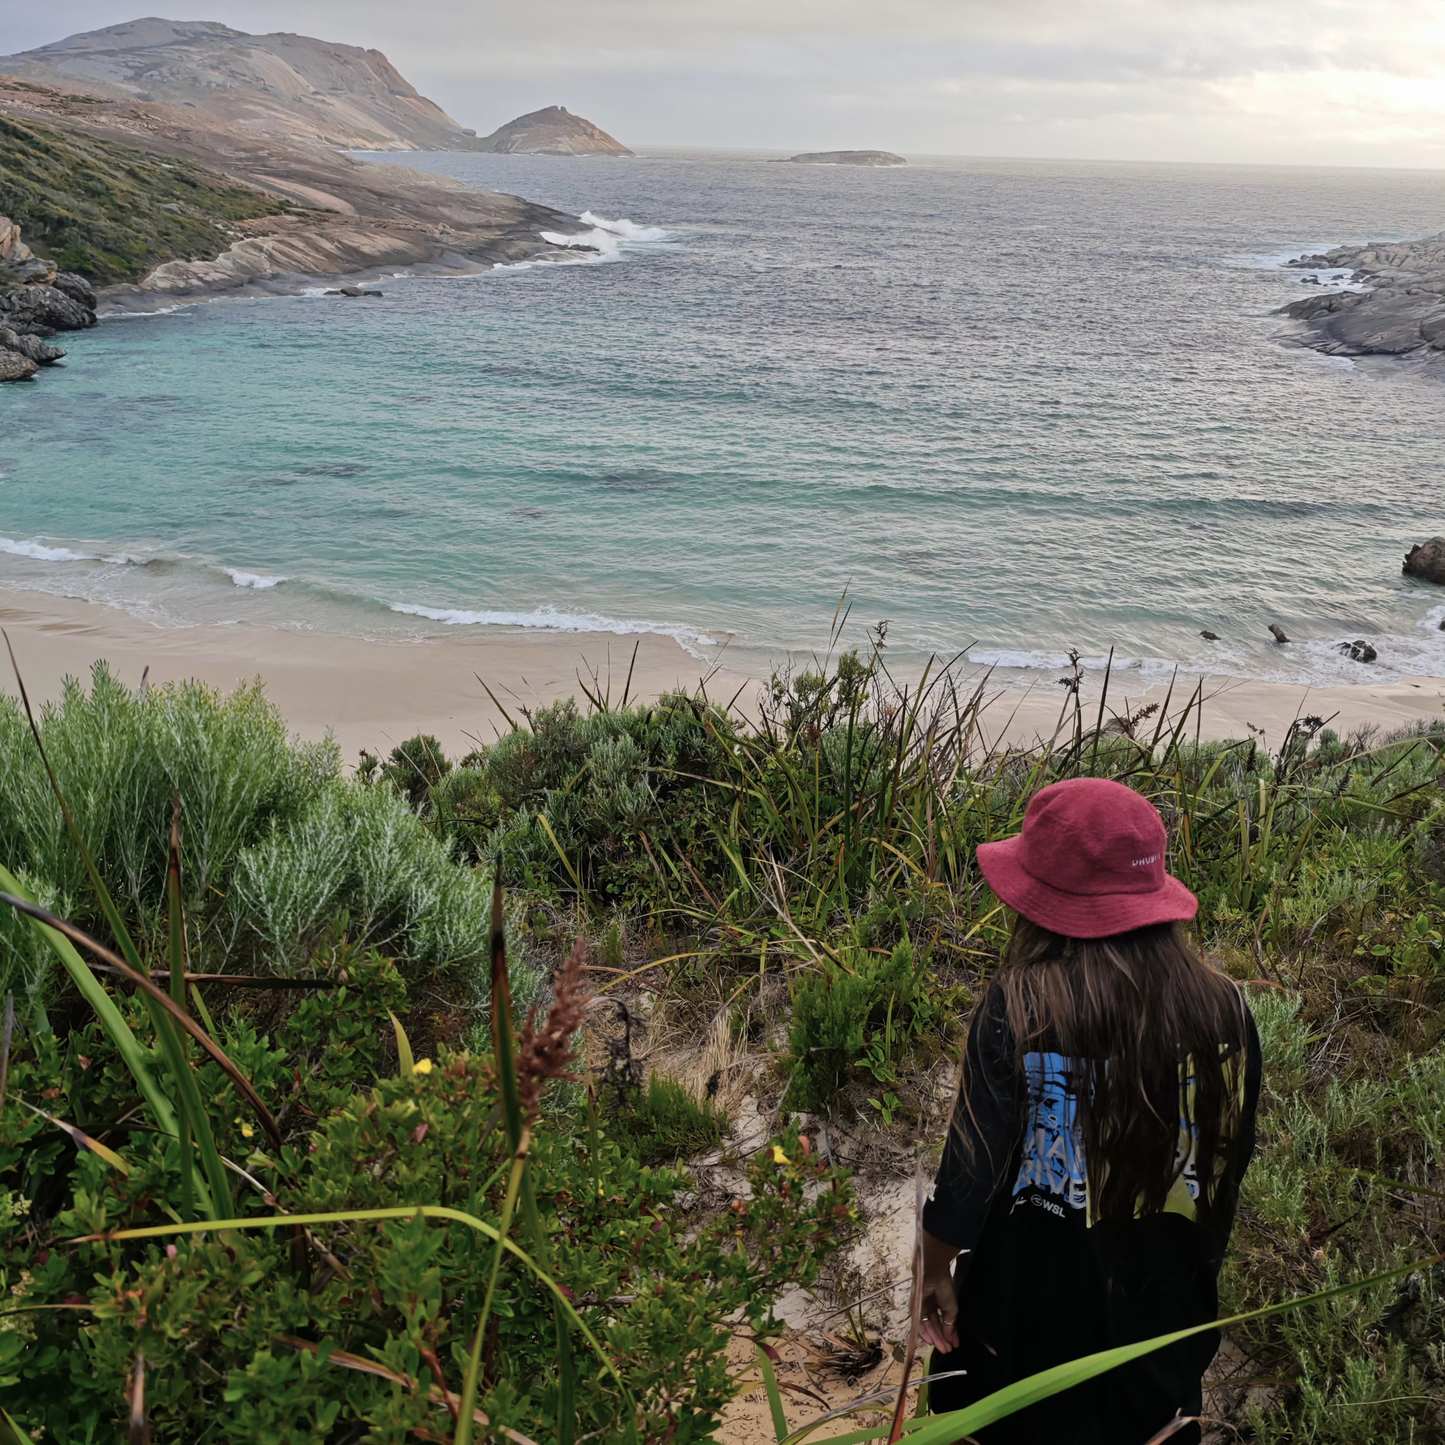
point(247, 1132)
point(422, 1066)
point(778, 1156)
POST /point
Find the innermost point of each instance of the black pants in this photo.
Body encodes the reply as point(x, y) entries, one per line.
point(1043, 1296)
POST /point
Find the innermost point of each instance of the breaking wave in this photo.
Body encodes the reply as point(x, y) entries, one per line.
point(257, 580)
point(552, 620)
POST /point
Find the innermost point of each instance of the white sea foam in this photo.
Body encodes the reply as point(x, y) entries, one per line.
point(152, 311)
point(257, 580)
point(1052, 661)
point(628, 230)
point(554, 621)
point(42, 553)
point(607, 237)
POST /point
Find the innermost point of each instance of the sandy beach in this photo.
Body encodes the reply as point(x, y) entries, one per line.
point(373, 694)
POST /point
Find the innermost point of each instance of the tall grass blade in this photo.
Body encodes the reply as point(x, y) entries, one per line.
point(405, 1063)
point(177, 950)
point(566, 1385)
point(582, 894)
point(82, 1140)
point(149, 988)
point(125, 1043)
point(503, 1045)
point(474, 1364)
point(140, 1430)
point(5, 1044)
point(775, 1395)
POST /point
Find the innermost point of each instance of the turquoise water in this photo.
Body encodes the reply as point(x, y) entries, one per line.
point(1014, 407)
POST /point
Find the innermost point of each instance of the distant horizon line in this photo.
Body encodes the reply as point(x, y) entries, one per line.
point(641, 150)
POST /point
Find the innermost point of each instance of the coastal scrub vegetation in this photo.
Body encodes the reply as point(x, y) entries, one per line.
point(471, 1219)
point(110, 212)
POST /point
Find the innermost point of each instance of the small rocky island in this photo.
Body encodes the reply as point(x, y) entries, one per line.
point(846, 158)
point(1400, 310)
point(552, 131)
point(36, 301)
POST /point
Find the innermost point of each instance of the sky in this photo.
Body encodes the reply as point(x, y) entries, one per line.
point(1314, 82)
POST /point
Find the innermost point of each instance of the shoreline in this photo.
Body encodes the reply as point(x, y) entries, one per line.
point(374, 694)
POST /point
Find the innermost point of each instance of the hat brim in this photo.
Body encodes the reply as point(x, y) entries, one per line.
point(1079, 915)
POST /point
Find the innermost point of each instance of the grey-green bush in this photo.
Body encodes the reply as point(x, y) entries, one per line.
point(278, 849)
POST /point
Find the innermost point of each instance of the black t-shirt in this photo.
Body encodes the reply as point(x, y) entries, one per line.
point(1040, 1284)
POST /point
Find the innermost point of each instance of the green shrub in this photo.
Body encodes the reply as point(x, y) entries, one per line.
point(414, 767)
point(665, 1123)
point(1317, 1204)
point(603, 781)
point(855, 1017)
point(279, 852)
point(360, 855)
point(214, 1316)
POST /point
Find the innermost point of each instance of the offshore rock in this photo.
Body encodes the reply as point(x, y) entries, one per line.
point(847, 158)
point(1360, 650)
point(552, 131)
point(1426, 561)
point(31, 347)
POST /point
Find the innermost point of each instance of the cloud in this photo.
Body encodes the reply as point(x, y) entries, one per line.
point(1258, 80)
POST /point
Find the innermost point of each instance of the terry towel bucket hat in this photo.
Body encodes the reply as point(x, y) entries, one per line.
point(1089, 862)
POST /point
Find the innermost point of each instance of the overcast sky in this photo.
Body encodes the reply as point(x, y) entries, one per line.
point(1359, 82)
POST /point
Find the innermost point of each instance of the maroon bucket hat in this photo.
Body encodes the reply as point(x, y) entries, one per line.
point(1089, 862)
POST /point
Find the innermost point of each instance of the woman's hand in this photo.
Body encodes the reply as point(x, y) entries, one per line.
point(939, 1325)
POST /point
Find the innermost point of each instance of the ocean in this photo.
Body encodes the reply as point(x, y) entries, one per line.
point(1010, 407)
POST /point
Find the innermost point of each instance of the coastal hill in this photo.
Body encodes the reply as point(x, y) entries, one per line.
point(845, 158)
point(282, 87)
point(79, 174)
point(553, 131)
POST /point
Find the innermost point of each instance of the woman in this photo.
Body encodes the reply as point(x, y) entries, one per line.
point(1104, 1123)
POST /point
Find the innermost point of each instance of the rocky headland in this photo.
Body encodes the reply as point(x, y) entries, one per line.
point(846, 158)
point(552, 131)
point(1394, 304)
point(159, 162)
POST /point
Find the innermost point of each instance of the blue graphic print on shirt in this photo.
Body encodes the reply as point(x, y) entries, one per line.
point(1053, 1152)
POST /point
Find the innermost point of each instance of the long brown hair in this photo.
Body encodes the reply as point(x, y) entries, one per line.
point(1135, 1015)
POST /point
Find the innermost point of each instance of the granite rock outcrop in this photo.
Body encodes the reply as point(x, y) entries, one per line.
point(36, 301)
point(337, 217)
point(1392, 305)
